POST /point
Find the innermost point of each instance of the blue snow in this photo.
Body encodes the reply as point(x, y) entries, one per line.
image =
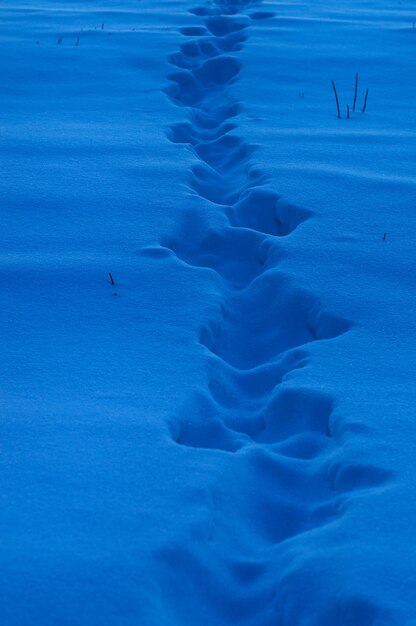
point(207, 312)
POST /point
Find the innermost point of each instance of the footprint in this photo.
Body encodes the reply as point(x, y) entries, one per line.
point(193, 31)
point(217, 72)
point(191, 134)
point(234, 253)
point(212, 118)
point(295, 415)
point(200, 426)
point(225, 155)
point(233, 388)
point(185, 90)
point(267, 318)
point(346, 477)
point(215, 186)
point(223, 25)
point(264, 211)
point(262, 15)
point(206, 10)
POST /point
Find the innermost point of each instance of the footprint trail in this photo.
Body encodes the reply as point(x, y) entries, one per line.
point(277, 435)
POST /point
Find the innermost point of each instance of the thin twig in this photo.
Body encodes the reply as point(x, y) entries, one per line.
point(365, 101)
point(113, 282)
point(336, 98)
point(355, 92)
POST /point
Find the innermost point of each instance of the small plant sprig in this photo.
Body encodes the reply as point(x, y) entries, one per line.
point(364, 107)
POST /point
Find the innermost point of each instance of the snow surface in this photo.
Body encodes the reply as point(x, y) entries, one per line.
point(227, 434)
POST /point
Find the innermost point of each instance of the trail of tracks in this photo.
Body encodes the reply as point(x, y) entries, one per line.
point(266, 323)
point(265, 320)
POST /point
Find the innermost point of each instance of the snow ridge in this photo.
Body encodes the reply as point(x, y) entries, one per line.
point(253, 406)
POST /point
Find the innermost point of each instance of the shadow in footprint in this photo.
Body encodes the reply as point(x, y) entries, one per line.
point(262, 15)
point(355, 611)
point(238, 255)
point(225, 154)
point(193, 31)
point(223, 25)
point(292, 412)
point(217, 72)
point(346, 477)
point(187, 133)
point(237, 389)
point(213, 116)
point(288, 497)
point(268, 317)
point(217, 188)
point(200, 426)
point(265, 211)
point(185, 89)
